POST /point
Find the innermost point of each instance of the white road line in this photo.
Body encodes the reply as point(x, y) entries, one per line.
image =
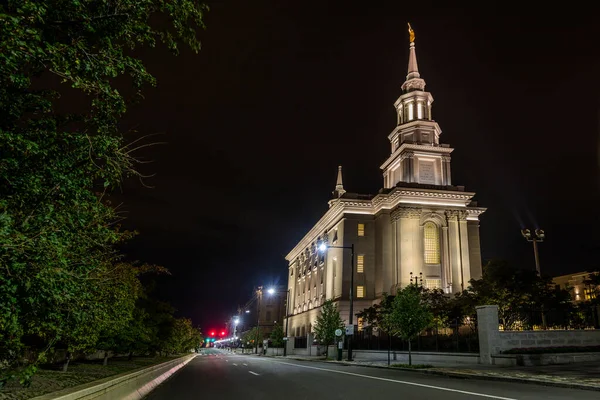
point(245, 364)
point(234, 364)
point(253, 373)
point(227, 360)
point(489, 396)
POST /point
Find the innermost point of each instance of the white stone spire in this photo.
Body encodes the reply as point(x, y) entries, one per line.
point(339, 186)
point(413, 78)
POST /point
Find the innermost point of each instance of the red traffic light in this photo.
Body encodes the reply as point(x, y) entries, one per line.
point(212, 333)
point(222, 333)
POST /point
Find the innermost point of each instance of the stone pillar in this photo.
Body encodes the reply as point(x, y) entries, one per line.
point(446, 168)
point(487, 327)
point(446, 270)
point(289, 344)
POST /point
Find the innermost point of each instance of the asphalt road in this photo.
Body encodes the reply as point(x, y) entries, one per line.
point(219, 375)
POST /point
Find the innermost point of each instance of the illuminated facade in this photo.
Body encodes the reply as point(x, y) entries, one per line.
point(419, 226)
point(577, 285)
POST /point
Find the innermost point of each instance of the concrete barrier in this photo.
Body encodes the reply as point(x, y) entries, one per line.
point(125, 386)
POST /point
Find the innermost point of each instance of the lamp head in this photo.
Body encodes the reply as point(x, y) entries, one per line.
point(322, 247)
point(271, 291)
point(540, 234)
point(236, 321)
point(526, 233)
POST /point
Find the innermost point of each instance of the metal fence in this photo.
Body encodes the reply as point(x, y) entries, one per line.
point(461, 340)
point(581, 316)
point(300, 342)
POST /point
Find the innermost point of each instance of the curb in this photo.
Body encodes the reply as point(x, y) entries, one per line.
point(463, 375)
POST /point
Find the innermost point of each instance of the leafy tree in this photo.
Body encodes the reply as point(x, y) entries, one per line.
point(439, 305)
point(277, 336)
point(326, 324)
point(60, 159)
point(409, 316)
point(249, 338)
point(376, 317)
point(517, 293)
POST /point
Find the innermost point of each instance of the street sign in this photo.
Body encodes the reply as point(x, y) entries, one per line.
point(338, 332)
point(349, 330)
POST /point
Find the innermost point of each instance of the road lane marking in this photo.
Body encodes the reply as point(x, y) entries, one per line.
point(234, 364)
point(253, 373)
point(489, 396)
point(245, 364)
point(227, 360)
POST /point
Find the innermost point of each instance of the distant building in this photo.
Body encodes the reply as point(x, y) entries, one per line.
point(575, 284)
point(419, 226)
point(270, 310)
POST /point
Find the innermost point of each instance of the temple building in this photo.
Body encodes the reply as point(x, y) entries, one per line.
point(419, 227)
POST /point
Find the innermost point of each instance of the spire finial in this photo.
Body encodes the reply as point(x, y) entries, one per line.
point(413, 79)
point(339, 186)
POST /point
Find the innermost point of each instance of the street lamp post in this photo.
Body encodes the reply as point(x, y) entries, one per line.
point(272, 291)
point(287, 320)
point(323, 247)
point(258, 295)
point(538, 236)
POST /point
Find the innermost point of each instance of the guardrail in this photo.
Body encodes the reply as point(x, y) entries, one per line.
point(125, 386)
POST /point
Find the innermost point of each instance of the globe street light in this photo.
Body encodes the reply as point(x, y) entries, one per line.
point(539, 237)
point(323, 246)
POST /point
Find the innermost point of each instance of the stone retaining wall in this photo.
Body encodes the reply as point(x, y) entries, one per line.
point(493, 342)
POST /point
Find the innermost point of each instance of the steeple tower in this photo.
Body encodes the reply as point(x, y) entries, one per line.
point(339, 186)
point(416, 153)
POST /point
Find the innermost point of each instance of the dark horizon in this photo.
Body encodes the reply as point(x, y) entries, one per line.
point(281, 94)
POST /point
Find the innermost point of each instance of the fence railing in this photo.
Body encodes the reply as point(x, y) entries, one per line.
point(300, 342)
point(583, 316)
point(462, 340)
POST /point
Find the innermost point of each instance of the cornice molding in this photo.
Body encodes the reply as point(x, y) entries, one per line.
point(406, 212)
point(415, 147)
point(412, 197)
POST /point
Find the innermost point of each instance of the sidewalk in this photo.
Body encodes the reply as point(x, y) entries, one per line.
point(576, 376)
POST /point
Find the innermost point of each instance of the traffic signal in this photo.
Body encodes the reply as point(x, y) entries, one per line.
point(222, 333)
point(212, 333)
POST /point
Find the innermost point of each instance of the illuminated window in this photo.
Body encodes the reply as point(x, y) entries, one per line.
point(431, 243)
point(360, 291)
point(361, 229)
point(419, 110)
point(433, 283)
point(360, 323)
point(410, 112)
point(588, 294)
point(360, 264)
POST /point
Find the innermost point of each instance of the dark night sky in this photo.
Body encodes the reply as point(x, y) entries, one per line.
point(282, 92)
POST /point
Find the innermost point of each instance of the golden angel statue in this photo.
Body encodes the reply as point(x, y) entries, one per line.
point(411, 33)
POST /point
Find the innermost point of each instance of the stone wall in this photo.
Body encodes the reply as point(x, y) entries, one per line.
point(493, 342)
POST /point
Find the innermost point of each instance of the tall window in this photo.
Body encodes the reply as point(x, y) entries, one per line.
point(360, 263)
point(361, 229)
point(433, 283)
point(410, 112)
point(431, 239)
point(419, 110)
point(360, 292)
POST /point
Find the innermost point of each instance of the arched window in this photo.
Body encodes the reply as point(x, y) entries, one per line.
point(431, 243)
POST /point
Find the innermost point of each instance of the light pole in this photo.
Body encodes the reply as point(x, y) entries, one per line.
point(538, 237)
point(258, 295)
point(272, 291)
point(323, 246)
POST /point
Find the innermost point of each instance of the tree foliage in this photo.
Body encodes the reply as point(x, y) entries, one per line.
point(409, 315)
point(326, 324)
point(277, 336)
point(61, 278)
